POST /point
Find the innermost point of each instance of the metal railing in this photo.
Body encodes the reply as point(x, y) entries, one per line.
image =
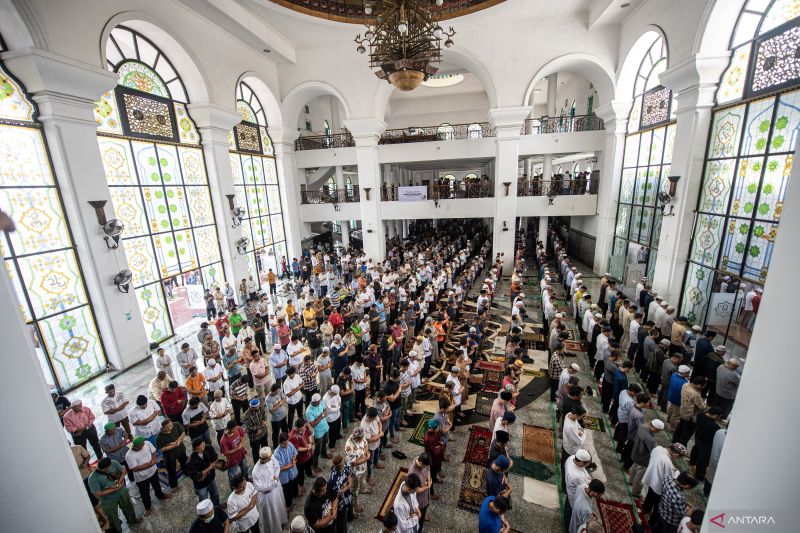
point(455, 191)
point(321, 142)
point(557, 187)
point(326, 196)
point(445, 132)
point(561, 124)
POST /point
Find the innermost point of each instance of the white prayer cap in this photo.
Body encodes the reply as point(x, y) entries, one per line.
point(644, 278)
point(664, 304)
point(316, 398)
point(594, 306)
point(334, 390)
point(205, 507)
point(598, 315)
point(683, 369)
point(735, 361)
point(559, 315)
point(519, 303)
point(265, 452)
point(473, 330)
point(657, 297)
point(326, 349)
point(670, 308)
point(697, 329)
point(412, 353)
point(607, 274)
point(574, 268)
point(583, 455)
point(664, 342)
point(658, 424)
point(578, 275)
point(720, 348)
point(298, 524)
point(575, 367)
point(759, 291)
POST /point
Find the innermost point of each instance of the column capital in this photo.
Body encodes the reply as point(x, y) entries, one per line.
point(694, 81)
point(214, 122)
point(507, 121)
point(365, 131)
point(283, 136)
point(63, 88)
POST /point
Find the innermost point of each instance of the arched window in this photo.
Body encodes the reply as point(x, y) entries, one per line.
point(474, 131)
point(572, 108)
point(326, 128)
point(645, 167)
point(255, 180)
point(445, 132)
point(331, 185)
point(349, 186)
point(749, 159)
point(156, 173)
point(40, 256)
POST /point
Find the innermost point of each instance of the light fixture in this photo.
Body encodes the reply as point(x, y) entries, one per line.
point(673, 185)
point(112, 228)
point(123, 280)
point(242, 244)
point(665, 198)
point(237, 213)
point(552, 192)
point(507, 184)
point(505, 226)
point(366, 192)
point(404, 40)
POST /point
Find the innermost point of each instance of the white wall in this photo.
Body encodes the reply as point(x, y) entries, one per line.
point(585, 224)
point(321, 109)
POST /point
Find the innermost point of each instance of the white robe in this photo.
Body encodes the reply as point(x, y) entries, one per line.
point(659, 467)
point(271, 504)
point(403, 508)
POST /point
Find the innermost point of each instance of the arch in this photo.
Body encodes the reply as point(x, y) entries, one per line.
point(271, 105)
point(590, 67)
point(184, 61)
point(19, 26)
point(300, 95)
point(716, 27)
point(628, 70)
point(455, 57)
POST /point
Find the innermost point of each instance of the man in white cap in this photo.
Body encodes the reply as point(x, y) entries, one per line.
point(673, 394)
point(567, 373)
point(728, 378)
point(299, 525)
point(661, 466)
point(640, 287)
point(587, 322)
point(655, 308)
point(575, 475)
point(210, 519)
point(333, 406)
point(316, 416)
point(271, 503)
point(640, 455)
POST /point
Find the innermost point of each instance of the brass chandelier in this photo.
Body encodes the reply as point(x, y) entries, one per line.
point(404, 40)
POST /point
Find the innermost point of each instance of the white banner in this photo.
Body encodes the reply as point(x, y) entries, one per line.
point(412, 193)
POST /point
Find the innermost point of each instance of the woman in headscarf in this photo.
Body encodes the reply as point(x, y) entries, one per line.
point(271, 504)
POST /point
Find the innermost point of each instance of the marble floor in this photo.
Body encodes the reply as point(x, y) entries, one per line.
point(178, 512)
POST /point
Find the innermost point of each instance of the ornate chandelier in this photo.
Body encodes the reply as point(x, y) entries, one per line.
point(404, 40)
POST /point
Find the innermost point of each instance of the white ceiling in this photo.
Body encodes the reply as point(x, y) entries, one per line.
point(453, 164)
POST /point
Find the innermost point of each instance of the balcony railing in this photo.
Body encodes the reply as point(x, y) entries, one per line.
point(445, 132)
point(557, 187)
point(561, 124)
point(321, 142)
point(326, 196)
point(446, 192)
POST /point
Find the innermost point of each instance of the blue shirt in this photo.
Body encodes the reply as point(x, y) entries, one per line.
point(620, 384)
point(488, 520)
point(234, 370)
point(311, 414)
point(626, 401)
point(284, 457)
point(276, 359)
point(494, 482)
point(381, 311)
point(675, 384)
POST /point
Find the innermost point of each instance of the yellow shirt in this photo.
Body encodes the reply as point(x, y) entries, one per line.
point(272, 278)
point(195, 385)
point(309, 315)
point(290, 310)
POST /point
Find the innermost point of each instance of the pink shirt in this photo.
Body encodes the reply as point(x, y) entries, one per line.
point(497, 411)
point(76, 421)
point(259, 367)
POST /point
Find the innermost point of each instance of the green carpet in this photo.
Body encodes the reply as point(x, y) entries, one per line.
point(534, 469)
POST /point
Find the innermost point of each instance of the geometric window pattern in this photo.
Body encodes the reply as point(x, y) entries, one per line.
point(40, 256)
point(255, 180)
point(646, 165)
point(159, 191)
point(748, 163)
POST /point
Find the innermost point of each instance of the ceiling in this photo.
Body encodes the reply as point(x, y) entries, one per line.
point(452, 164)
point(352, 10)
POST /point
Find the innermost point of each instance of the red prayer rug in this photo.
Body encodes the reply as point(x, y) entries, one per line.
point(489, 365)
point(537, 444)
point(616, 517)
point(473, 488)
point(478, 446)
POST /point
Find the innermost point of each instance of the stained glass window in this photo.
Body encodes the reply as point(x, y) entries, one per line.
point(645, 167)
point(255, 179)
point(156, 173)
point(40, 256)
point(748, 163)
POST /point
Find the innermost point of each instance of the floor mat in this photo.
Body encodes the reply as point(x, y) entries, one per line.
point(616, 517)
point(594, 423)
point(478, 446)
point(541, 493)
point(534, 469)
point(483, 402)
point(388, 502)
point(418, 437)
point(537, 444)
point(473, 488)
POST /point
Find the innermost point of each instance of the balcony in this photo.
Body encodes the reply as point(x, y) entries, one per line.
point(444, 132)
point(456, 190)
point(322, 142)
point(561, 124)
point(558, 187)
point(329, 196)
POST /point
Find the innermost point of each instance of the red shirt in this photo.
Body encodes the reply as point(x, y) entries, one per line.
point(220, 323)
point(336, 319)
point(434, 446)
point(284, 334)
point(173, 402)
point(301, 438)
point(231, 441)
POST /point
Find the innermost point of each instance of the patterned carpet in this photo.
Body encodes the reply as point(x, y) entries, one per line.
point(537, 444)
point(473, 487)
point(418, 437)
point(478, 446)
point(616, 517)
point(534, 469)
point(388, 502)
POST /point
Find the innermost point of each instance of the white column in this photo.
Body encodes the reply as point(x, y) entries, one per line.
point(214, 123)
point(366, 133)
point(406, 223)
point(755, 449)
point(51, 473)
point(345, 233)
point(614, 114)
point(289, 179)
point(552, 94)
point(543, 221)
point(694, 84)
point(66, 93)
point(507, 123)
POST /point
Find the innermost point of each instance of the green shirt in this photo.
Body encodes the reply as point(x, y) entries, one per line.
point(236, 322)
point(164, 439)
point(99, 481)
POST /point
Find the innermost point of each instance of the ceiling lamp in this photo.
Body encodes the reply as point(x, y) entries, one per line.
point(404, 40)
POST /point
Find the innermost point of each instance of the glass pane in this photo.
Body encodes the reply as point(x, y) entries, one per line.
point(617, 260)
point(636, 221)
point(117, 161)
point(781, 12)
point(168, 161)
point(200, 205)
point(732, 85)
point(623, 220)
point(774, 62)
point(759, 251)
point(156, 207)
point(656, 229)
point(141, 261)
point(651, 188)
point(14, 105)
point(647, 221)
point(259, 238)
point(636, 112)
point(773, 188)
point(186, 127)
point(23, 159)
point(735, 241)
point(274, 199)
point(746, 187)
point(696, 291)
point(641, 185)
point(187, 254)
point(178, 211)
point(236, 169)
point(194, 169)
point(241, 199)
point(708, 236)
point(127, 202)
point(267, 229)
point(15, 281)
point(669, 145)
point(787, 123)
point(53, 281)
point(207, 248)
point(252, 201)
point(166, 254)
point(154, 312)
point(74, 346)
point(717, 186)
point(657, 146)
point(759, 118)
point(280, 251)
point(627, 185)
point(631, 150)
point(261, 195)
point(212, 275)
point(277, 228)
point(644, 148)
point(726, 132)
point(146, 163)
point(258, 171)
point(270, 171)
point(38, 217)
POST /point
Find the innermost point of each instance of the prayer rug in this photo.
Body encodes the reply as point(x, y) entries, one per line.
point(541, 493)
point(473, 488)
point(642, 517)
point(537, 444)
point(492, 377)
point(489, 365)
point(535, 373)
point(483, 402)
point(594, 423)
point(574, 346)
point(534, 469)
point(418, 437)
point(478, 446)
point(388, 502)
point(538, 358)
point(616, 517)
